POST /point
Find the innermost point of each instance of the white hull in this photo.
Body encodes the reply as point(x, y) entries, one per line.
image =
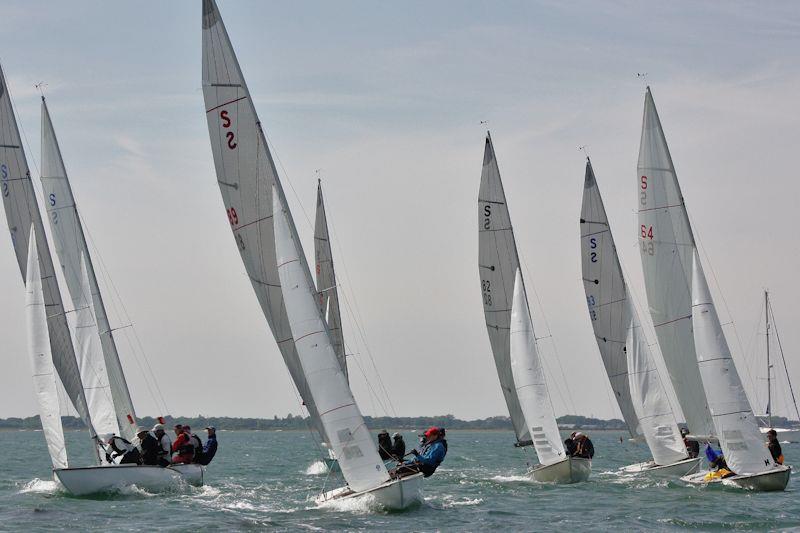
point(95, 479)
point(774, 480)
point(784, 434)
point(679, 469)
point(394, 495)
point(570, 470)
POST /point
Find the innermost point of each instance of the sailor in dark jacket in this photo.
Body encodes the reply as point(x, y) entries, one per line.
point(398, 446)
point(149, 448)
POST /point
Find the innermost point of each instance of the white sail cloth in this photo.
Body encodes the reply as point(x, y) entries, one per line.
point(497, 263)
point(530, 382)
point(105, 383)
point(666, 244)
point(349, 437)
point(326, 280)
point(736, 427)
point(22, 213)
point(246, 175)
point(44, 377)
point(653, 409)
point(606, 295)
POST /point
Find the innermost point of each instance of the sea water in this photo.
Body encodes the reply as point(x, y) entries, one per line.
point(268, 480)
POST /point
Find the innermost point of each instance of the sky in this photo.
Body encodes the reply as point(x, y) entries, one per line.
point(388, 100)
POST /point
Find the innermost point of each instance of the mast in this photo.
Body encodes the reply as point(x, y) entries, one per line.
point(769, 366)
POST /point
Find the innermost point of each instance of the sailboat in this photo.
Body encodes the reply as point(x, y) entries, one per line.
point(628, 360)
point(268, 242)
point(106, 389)
point(784, 434)
point(510, 330)
point(741, 441)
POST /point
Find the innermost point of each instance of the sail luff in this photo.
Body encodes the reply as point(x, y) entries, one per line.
point(44, 377)
point(497, 263)
point(22, 214)
point(666, 244)
point(72, 250)
point(326, 280)
point(606, 295)
point(246, 175)
point(339, 414)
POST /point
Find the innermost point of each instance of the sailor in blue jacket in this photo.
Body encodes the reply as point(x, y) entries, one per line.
point(432, 453)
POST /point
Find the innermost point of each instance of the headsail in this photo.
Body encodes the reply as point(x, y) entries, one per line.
point(349, 437)
point(606, 295)
point(736, 426)
point(22, 214)
point(326, 281)
point(497, 264)
point(530, 381)
point(246, 175)
point(72, 251)
point(656, 417)
point(666, 244)
point(44, 377)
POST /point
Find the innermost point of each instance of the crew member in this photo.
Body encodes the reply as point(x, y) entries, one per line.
point(398, 446)
point(182, 448)
point(384, 445)
point(692, 446)
point(209, 448)
point(194, 440)
point(164, 445)
point(774, 446)
point(583, 446)
point(717, 464)
point(428, 459)
point(570, 444)
point(121, 449)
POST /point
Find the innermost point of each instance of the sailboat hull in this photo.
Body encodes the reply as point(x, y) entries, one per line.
point(98, 479)
point(394, 495)
point(570, 470)
point(679, 469)
point(774, 480)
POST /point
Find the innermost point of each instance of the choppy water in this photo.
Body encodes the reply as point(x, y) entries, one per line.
point(267, 480)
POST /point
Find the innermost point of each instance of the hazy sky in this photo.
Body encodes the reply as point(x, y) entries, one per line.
point(387, 99)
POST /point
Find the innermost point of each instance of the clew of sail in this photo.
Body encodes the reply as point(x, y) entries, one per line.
point(338, 412)
point(328, 298)
point(105, 383)
point(666, 244)
point(497, 263)
point(529, 378)
point(246, 175)
point(606, 295)
point(44, 378)
point(736, 426)
point(22, 214)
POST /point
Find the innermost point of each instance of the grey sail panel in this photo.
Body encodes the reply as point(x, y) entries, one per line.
point(606, 296)
point(246, 174)
point(22, 213)
point(666, 244)
point(327, 289)
point(498, 263)
point(70, 245)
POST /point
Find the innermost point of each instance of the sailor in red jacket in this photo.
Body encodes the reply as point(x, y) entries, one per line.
point(182, 447)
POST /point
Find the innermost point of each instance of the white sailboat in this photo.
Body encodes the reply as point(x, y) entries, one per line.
point(511, 335)
point(108, 399)
point(629, 362)
point(742, 444)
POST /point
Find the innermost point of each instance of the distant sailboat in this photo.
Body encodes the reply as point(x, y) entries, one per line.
point(628, 360)
point(510, 330)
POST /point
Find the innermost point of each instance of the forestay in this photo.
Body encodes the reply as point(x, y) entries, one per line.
point(44, 377)
point(98, 350)
point(649, 395)
point(326, 280)
point(348, 434)
point(666, 243)
point(22, 214)
point(246, 175)
point(531, 385)
point(606, 295)
point(497, 263)
point(736, 427)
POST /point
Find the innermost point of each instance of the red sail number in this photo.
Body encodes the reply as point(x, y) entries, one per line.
point(644, 182)
point(647, 232)
point(233, 218)
point(226, 123)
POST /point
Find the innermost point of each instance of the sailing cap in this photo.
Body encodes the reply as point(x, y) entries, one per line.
point(158, 427)
point(431, 432)
point(212, 428)
point(578, 434)
point(395, 435)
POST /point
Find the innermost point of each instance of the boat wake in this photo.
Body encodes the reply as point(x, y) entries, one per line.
point(41, 486)
point(359, 505)
point(317, 468)
point(512, 479)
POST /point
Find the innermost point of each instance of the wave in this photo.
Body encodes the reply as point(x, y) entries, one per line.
point(358, 505)
point(41, 486)
point(317, 468)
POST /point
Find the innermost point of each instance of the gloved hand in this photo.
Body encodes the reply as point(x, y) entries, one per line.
point(415, 452)
point(108, 458)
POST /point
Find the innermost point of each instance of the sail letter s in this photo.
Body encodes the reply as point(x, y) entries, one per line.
point(226, 120)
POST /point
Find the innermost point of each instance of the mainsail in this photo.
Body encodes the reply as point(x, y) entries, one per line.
point(338, 412)
point(666, 244)
point(246, 175)
point(326, 280)
point(44, 378)
point(530, 381)
point(736, 427)
point(22, 214)
point(606, 295)
point(497, 263)
point(100, 360)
